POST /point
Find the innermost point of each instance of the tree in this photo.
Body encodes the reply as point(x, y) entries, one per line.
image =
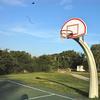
point(23, 59)
point(44, 63)
point(18, 61)
point(96, 52)
point(70, 59)
point(7, 62)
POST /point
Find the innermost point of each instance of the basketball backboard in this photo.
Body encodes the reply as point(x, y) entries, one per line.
point(73, 28)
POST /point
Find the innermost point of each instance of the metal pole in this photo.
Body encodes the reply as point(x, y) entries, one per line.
point(93, 88)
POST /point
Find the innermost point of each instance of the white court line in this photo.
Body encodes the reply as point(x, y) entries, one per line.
point(40, 90)
point(41, 96)
point(29, 87)
point(1, 80)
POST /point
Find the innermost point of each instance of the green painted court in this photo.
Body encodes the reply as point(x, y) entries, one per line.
point(13, 90)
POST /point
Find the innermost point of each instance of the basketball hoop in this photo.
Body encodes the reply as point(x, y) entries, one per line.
point(73, 28)
point(76, 28)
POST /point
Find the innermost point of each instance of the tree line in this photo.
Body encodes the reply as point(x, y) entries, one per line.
point(21, 61)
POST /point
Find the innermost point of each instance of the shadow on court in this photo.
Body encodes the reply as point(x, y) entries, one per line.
point(9, 91)
point(24, 97)
point(83, 93)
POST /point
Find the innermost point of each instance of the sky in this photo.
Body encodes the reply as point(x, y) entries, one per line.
point(35, 28)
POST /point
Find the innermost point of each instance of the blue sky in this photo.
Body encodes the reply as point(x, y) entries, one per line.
point(36, 28)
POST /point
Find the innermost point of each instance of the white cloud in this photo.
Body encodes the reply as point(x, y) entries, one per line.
point(13, 2)
point(41, 33)
point(18, 29)
point(6, 33)
point(63, 2)
point(51, 36)
point(66, 4)
point(68, 7)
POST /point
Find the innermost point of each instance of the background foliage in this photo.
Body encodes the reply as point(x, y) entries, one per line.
point(21, 61)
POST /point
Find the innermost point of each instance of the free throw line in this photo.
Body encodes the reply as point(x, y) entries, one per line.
point(41, 96)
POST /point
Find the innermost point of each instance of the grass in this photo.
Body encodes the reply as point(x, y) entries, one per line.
point(56, 82)
point(86, 74)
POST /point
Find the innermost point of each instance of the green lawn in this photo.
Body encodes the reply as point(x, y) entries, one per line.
point(55, 82)
point(86, 74)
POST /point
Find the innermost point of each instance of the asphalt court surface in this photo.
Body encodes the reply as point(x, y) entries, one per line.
point(12, 90)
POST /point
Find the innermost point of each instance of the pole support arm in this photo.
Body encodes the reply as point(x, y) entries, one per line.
point(93, 89)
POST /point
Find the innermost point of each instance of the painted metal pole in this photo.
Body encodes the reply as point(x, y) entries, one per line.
point(93, 89)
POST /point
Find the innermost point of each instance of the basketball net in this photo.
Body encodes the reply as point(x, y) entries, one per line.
point(66, 34)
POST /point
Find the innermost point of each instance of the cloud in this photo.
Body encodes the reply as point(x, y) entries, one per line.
point(48, 35)
point(13, 2)
point(17, 30)
point(68, 7)
point(66, 4)
point(63, 2)
point(6, 33)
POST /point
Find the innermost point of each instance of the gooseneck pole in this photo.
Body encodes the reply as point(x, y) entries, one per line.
point(93, 89)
